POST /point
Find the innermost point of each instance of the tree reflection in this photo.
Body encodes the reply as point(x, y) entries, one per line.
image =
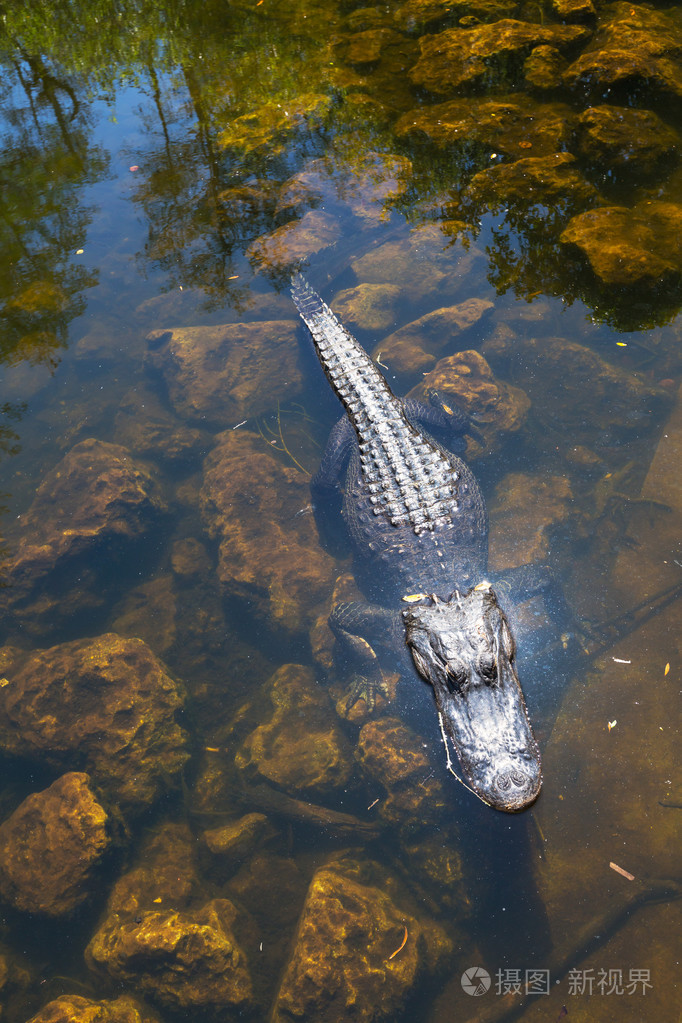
point(45, 158)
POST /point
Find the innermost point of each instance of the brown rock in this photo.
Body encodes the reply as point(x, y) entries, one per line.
point(404, 357)
point(93, 510)
point(500, 124)
point(424, 265)
point(50, 848)
point(315, 758)
point(327, 980)
point(589, 809)
point(147, 428)
point(161, 937)
point(430, 334)
point(219, 375)
point(76, 1009)
point(478, 55)
point(632, 142)
point(523, 512)
point(294, 243)
point(543, 68)
point(269, 554)
point(187, 962)
point(624, 73)
point(640, 28)
point(272, 889)
point(374, 180)
point(164, 877)
point(366, 47)
point(594, 397)
point(574, 10)
point(500, 409)
point(271, 126)
point(435, 864)
point(189, 559)
point(369, 307)
point(633, 55)
point(150, 612)
point(106, 704)
point(392, 756)
point(633, 248)
point(419, 14)
point(234, 843)
point(533, 181)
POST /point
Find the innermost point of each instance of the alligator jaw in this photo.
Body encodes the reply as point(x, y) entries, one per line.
point(463, 647)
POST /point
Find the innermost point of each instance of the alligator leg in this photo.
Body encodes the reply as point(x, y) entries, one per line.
point(352, 623)
point(334, 461)
point(443, 416)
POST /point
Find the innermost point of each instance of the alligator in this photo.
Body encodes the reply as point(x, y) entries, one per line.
point(418, 527)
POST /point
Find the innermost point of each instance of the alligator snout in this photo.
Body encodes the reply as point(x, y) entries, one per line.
point(514, 789)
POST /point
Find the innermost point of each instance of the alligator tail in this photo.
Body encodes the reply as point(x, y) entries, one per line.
point(356, 380)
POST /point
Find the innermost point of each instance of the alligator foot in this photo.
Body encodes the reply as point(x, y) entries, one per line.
point(363, 687)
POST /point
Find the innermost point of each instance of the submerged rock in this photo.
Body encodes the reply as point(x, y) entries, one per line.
point(343, 966)
point(633, 56)
point(595, 399)
point(552, 181)
point(373, 180)
point(273, 125)
point(392, 756)
point(435, 865)
point(188, 962)
point(76, 1009)
point(424, 264)
point(574, 10)
point(161, 937)
point(301, 747)
point(505, 125)
point(466, 378)
point(51, 846)
point(631, 248)
point(232, 844)
point(269, 554)
point(422, 340)
point(293, 243)
point(415, 15)
point(479, 56)
point(543, 68)
point(164, 875)
point(369, 307)
point(106, 704)
point(150, 430)
point(523, 512)
point(629, 142)
point(218, 375)
point(367, 47)
point(90, 513)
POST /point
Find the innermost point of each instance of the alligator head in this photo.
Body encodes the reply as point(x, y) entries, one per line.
point(464, 648)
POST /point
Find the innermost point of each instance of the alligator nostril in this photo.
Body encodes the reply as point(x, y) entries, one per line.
point(518, 779)
point(503, 782)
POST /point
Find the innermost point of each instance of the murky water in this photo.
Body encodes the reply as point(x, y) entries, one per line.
point(196, 825)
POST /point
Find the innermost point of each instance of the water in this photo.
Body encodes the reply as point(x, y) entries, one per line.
point(163, 166)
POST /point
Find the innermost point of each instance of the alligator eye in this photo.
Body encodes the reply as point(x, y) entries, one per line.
point(455, 679)
point(488, 668)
